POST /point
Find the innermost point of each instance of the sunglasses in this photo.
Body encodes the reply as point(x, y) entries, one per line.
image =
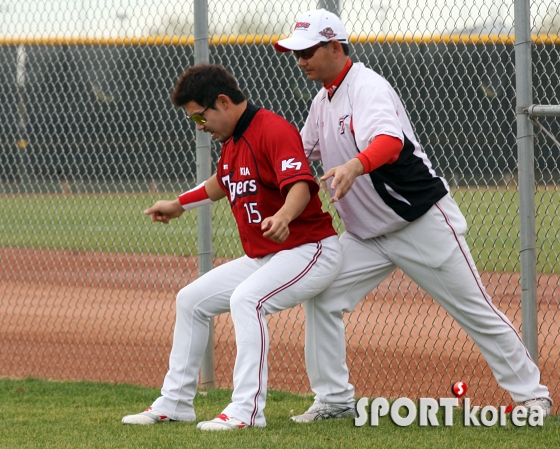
point(198, 117)
point(309, 52)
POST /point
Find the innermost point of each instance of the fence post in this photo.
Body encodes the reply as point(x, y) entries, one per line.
point(330, 5)
point(526, 167)
point(203, 172)
point(21, 80)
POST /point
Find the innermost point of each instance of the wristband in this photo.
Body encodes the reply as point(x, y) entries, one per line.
point(195, 197)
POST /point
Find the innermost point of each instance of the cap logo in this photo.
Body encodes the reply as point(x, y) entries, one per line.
point(328, 33)
point(300, 25)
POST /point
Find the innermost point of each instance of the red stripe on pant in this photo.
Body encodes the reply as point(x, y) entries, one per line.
point(259, 316)
point(477, 280)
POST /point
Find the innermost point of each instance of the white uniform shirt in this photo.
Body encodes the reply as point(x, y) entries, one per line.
point(363, 107)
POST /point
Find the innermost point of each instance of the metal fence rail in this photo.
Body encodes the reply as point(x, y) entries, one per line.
point(89, 138)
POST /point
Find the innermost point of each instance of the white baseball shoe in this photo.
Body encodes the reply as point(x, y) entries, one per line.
point(543, 403)
point(148, 416)
point(222, 422)
point(319, 411)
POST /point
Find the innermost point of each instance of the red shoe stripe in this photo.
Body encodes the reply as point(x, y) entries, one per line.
point(226, 418)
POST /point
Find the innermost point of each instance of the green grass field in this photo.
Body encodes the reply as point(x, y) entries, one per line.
point(115, 223)
point(37, 414)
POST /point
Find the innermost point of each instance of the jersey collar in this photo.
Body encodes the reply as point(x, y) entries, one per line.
point(332, 87)
point(244, 121)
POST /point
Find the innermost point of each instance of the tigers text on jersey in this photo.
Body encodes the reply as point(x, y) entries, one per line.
point(261, 159)
point(364, 106)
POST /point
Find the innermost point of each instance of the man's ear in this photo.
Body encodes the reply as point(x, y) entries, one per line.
point(224, 101)
point(337, 48)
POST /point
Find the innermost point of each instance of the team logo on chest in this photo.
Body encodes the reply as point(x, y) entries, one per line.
point(239, 189)
point(341, 124)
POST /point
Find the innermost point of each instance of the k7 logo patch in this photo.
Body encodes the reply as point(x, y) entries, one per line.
point(290, 164)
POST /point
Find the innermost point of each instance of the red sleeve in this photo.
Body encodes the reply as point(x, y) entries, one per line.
point(287, 156)
point(382, 150)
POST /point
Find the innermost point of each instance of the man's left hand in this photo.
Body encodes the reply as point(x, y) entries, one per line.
point(276, 228)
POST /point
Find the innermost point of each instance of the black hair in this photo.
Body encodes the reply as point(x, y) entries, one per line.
point(345, 47)
point(203, 83)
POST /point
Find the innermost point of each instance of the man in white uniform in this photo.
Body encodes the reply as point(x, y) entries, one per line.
point(397, 214)
point(292, 250)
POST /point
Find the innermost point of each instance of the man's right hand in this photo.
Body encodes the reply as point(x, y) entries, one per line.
point(163, 211)
point(343, 177)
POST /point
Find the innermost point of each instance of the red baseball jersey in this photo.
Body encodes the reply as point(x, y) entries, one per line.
point(263, 157)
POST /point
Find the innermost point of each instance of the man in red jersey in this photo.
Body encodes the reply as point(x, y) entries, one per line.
point(292, 250)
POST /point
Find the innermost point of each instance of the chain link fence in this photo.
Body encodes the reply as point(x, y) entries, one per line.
point(89, 139)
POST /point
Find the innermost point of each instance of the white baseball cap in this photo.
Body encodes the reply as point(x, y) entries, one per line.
point(311, 28)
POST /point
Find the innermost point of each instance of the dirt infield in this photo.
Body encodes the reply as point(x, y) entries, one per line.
point(109, 317)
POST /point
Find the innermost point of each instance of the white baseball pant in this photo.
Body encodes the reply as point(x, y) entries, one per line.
point(249, 288)
point(433, 252)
